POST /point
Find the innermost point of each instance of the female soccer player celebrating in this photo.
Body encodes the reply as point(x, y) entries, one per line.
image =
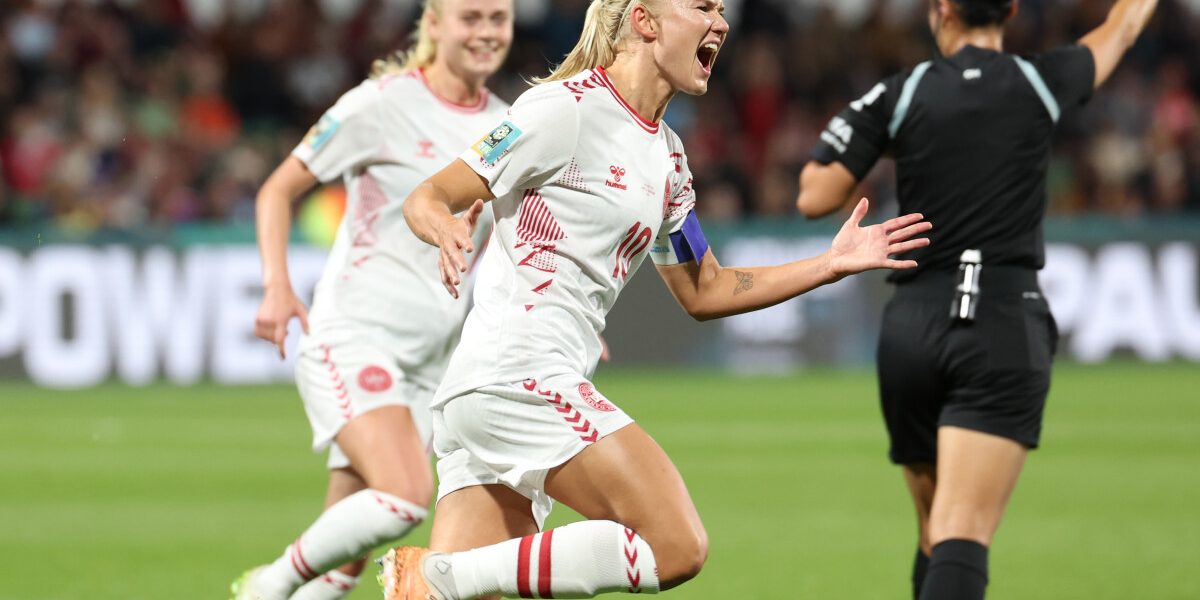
point(381, 328)
point(586, 182)
point(963, 396)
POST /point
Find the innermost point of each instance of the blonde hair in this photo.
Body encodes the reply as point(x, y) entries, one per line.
point(604, 27)
point(419, 56)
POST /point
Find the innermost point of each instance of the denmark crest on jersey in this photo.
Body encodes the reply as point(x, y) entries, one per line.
point(494, 145)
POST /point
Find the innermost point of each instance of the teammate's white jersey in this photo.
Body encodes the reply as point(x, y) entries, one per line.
point(584, 189)
point(383, 138)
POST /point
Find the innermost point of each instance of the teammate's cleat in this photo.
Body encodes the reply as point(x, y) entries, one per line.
point(243, 587)
point(403, 577)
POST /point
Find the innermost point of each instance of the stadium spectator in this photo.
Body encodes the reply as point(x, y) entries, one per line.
point(275, 65)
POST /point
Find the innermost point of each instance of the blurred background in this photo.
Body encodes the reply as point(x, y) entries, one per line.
point(146, 429)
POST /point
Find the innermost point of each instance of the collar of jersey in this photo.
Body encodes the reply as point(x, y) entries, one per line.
point(468, 108)
point(649, 126)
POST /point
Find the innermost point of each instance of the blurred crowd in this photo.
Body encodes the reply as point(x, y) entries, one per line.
point(126, 114)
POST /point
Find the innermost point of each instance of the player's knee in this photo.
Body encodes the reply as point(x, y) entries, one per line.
point(683, 557)
point(417, 490)
point(696, 554)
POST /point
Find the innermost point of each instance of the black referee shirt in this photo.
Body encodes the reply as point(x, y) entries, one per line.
point(971, 138)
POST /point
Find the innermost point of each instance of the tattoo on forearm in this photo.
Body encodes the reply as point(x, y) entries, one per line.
point(745, 281)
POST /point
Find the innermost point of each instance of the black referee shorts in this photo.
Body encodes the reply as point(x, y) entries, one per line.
point(990, 375)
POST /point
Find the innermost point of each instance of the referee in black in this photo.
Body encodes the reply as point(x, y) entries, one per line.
point(967, 342)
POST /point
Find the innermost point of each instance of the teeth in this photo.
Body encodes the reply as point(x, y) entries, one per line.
point(711, 46)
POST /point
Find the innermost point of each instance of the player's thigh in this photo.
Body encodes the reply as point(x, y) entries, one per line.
point(385, 447)
point(976, 475)
point(628, 478)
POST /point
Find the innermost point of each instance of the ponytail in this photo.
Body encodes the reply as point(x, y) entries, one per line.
point(419, 56)
point(603, 29)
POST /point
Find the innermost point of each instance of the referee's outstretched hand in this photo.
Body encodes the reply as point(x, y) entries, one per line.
point(856, 249)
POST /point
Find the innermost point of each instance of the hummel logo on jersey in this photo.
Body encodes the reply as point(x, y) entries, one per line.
point(615, 181)
point(971, 74)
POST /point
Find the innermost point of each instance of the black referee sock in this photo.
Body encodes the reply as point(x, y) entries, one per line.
point(920, 566)
point(957, 571)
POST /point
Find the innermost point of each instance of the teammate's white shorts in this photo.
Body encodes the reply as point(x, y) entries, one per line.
point(339, 381)
point(513, 434)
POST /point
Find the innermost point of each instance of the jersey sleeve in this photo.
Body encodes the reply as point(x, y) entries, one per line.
point(1070, 73)
point(858, 135)
point(679, 239)
point(346, 136)
point(531, 146)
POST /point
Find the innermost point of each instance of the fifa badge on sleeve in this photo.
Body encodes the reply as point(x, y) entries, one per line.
point(494, 145)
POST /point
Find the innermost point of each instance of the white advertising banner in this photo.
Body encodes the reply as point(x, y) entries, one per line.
point(78, 315)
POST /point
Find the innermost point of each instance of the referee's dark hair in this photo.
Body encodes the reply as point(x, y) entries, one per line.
point(982, 13)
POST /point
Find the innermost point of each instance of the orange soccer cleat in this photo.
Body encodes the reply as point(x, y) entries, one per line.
point(402, 577)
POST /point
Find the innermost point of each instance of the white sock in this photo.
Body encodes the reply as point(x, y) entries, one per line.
point(579, 560)
point(344, 532)
point(333, 585)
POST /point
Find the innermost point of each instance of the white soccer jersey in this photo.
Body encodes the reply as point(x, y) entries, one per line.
point(584, 188)
point(383, 138)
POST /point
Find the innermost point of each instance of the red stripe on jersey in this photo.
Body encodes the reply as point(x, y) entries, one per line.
point(649, 126)
point(544, 566)
point(537, 223)
point(523, 567)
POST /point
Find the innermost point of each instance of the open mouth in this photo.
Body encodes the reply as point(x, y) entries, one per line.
point(707, 56)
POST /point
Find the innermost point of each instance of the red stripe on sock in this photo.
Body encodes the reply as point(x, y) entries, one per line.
point(305, 571)
point(544, 565)
point(523, 567)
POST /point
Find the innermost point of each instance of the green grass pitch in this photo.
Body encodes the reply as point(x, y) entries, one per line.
point(169, 493)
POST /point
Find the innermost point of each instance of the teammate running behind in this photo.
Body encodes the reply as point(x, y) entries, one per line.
point(381, 327)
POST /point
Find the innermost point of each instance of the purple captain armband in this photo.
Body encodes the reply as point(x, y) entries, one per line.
point(689, 242)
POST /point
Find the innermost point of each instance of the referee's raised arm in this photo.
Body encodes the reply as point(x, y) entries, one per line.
point(1120, 30)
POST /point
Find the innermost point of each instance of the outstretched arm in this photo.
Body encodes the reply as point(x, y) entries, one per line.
point(1120, 30)
point(273, 218)
point(709, 291)
point(430, 212)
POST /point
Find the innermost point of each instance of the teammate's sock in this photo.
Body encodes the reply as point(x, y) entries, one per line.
point(579, 560)
point(333, 585)
point(345, 531)
point(958, 570)
point(920, 567)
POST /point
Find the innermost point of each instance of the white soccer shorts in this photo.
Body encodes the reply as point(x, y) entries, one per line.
point(339, 381)
point(513, 434)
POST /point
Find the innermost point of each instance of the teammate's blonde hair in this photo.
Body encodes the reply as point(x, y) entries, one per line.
point(604, 28)
point(419, 56)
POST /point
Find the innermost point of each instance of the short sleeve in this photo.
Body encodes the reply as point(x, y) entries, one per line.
point(531, 146)
point(671, 247)
point(1070, 73)
point(346, 136)
point(858, 135)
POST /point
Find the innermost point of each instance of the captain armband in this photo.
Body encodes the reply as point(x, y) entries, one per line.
point(689, 243)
